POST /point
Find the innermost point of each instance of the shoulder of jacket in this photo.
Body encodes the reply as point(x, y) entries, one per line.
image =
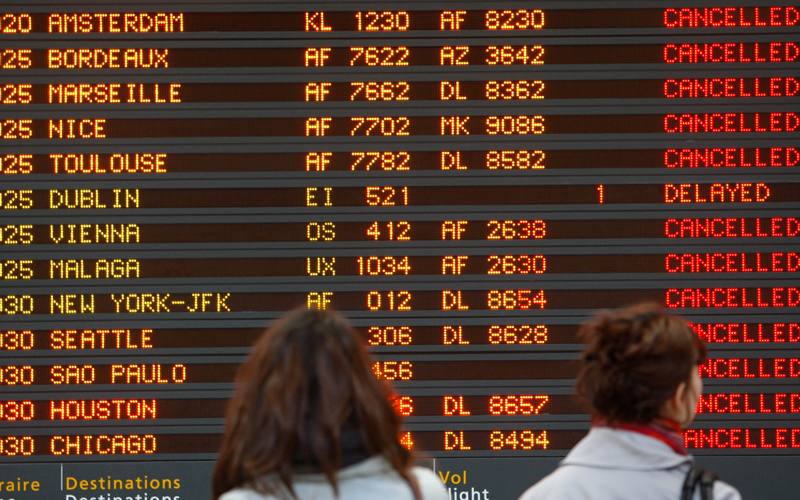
point(243, 494)
point(724, 491)
point(429, 483)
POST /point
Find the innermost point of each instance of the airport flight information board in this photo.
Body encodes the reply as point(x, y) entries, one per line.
point(466, 181)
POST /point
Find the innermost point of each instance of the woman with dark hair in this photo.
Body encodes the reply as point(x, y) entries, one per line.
point(640, 378)
point(310, 420)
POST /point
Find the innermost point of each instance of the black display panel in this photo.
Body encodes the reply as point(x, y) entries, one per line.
point(467, 181)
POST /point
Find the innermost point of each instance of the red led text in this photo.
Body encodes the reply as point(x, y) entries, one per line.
point(742, 438)
point(700, 53)
point(731, 157)
point(749, 403)
point(732, 227)
point(735, 332)
point(750, 368)
point(716, 193)
point(731, 87)
point(732, 262)
point(730, 17)
point(731, 122)
point(733, 297)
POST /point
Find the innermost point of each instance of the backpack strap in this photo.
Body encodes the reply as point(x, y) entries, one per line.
point(707, 484)
point(692, 478)
point(698, 475)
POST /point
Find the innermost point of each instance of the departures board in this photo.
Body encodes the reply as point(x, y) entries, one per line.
point(466, 181)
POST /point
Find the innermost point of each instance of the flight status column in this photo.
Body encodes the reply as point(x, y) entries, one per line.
point(467, 184)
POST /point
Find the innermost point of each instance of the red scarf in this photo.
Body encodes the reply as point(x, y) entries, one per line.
point(666, 430)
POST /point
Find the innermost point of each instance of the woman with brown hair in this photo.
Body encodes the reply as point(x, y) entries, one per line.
point(310, 420)
point(640, 378)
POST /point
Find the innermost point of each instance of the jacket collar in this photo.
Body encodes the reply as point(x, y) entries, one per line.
point(665, 430)
point(615, 448)
point(372, 466)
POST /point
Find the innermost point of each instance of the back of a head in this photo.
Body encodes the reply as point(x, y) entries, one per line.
point(307, 380)
point(635, 359)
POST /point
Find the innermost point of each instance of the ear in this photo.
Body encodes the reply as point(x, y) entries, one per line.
point(680, 394)
point(674, 407)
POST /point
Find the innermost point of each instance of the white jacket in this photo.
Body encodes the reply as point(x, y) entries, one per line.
point(372, 479)
point(615, 464)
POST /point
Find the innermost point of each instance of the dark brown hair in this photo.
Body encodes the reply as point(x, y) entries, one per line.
point(635, 359)
point(308, 379)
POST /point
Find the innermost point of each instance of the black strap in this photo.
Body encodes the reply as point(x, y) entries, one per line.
point(707, 484)
point(698, 475)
